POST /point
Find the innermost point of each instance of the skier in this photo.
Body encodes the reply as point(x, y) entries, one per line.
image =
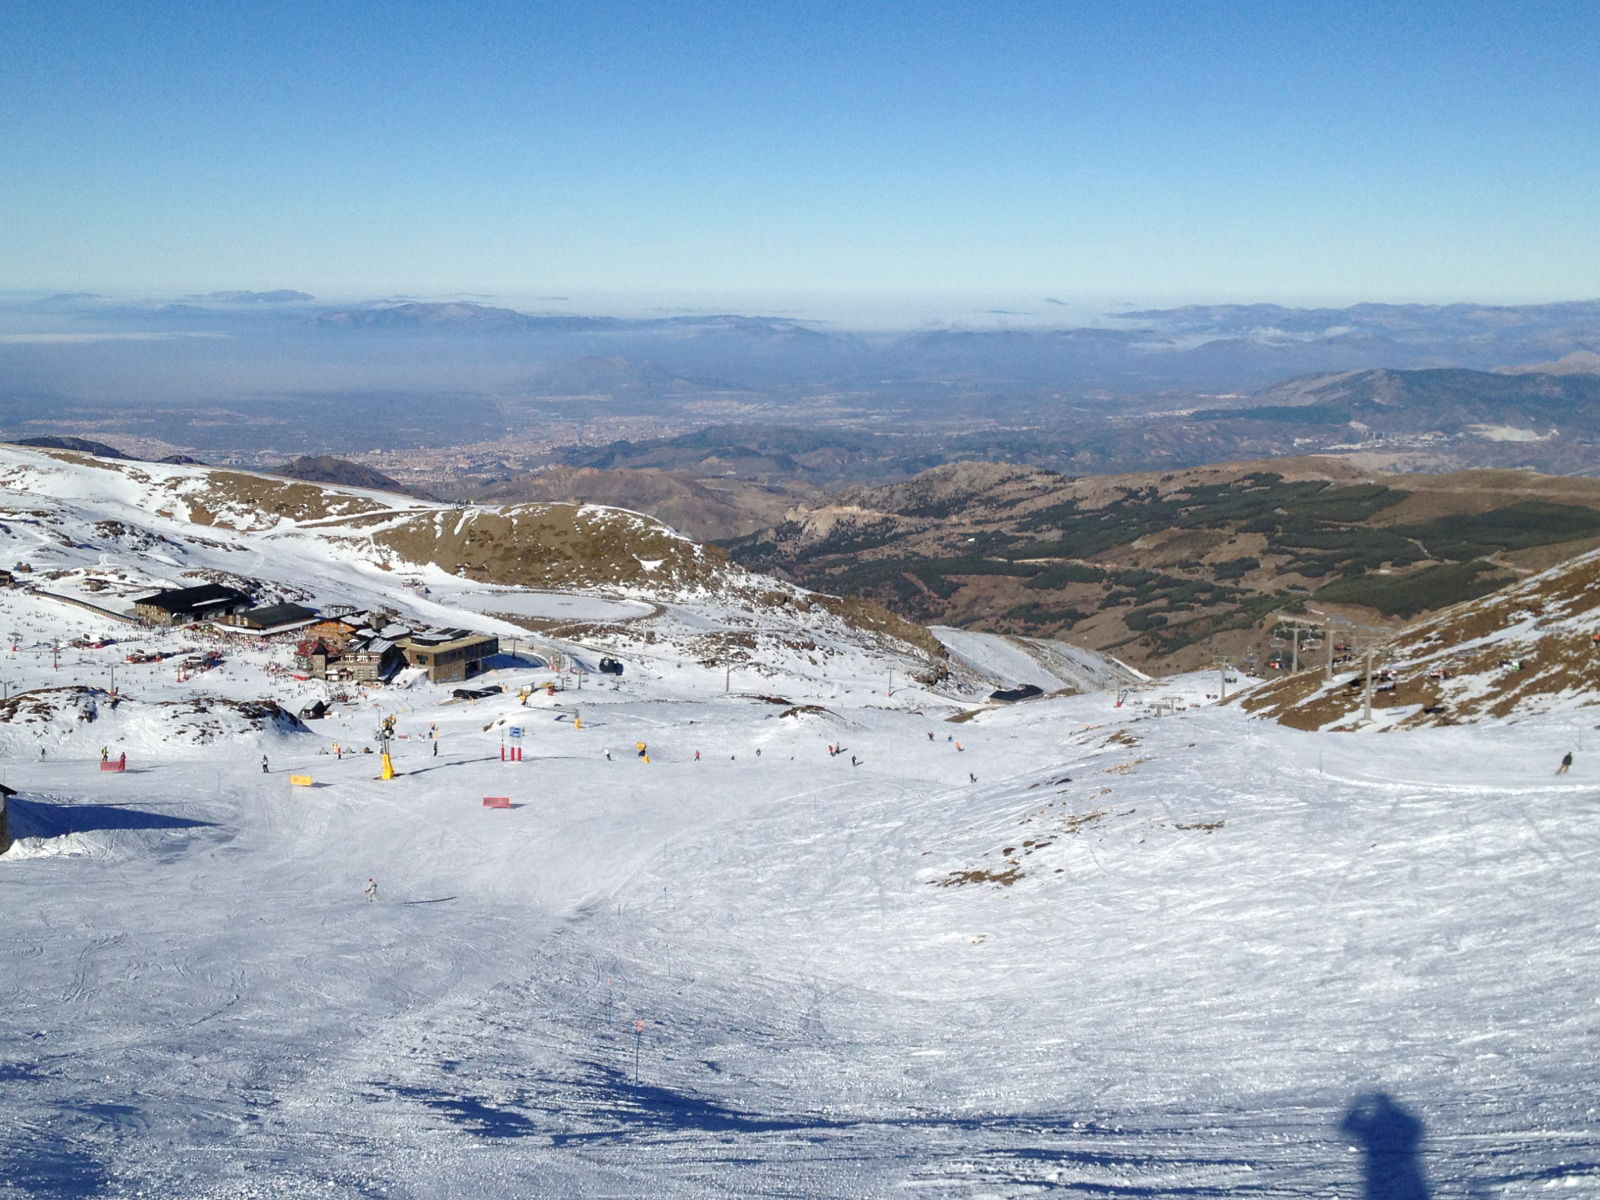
point(971, 778)
point(105, 753)
point(338, 752)
point(1566, 763)
point(697, 756)
point(854, 762)
point(371, 890)
point(930, 735)
point(608, 755)
point(263, 764)
point(122, 761)
point(436, 745)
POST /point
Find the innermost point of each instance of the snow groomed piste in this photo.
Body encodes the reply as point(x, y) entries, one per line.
point(1054, 947)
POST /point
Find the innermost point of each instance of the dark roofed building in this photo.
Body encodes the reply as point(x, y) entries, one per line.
point(271, 618)
point(179, 606)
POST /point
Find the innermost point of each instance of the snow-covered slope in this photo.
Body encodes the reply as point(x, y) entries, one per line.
point(1049, 665)
point(824, 940)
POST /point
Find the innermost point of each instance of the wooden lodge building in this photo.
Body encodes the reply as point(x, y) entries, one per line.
point(362, 658)
point(268, 620)
point(449, 655)
point(181, 606)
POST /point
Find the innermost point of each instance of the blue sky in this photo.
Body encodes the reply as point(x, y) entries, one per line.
point(1288, 151)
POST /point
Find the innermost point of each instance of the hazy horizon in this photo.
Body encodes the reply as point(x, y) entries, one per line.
point(849, 312)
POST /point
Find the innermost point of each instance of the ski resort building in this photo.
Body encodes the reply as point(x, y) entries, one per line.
point(365, 657)
point(5, 829)
point(449, 655)
point(269, 619)
point(335, 628)
point(180, 606)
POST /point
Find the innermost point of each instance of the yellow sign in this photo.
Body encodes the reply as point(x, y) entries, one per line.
point(300, 780)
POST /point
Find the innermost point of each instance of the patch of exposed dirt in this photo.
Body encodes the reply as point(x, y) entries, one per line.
point(1006, 878)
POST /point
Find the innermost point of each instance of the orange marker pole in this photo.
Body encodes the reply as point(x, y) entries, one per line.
point(638, 1036)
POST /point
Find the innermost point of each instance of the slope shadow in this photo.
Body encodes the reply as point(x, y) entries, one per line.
point(1390, 1138)
point(478, 1116)
point(507, 660)
point(41, 818)
point(444, 763)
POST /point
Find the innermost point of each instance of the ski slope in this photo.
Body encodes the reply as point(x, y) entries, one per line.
point(1058, 947)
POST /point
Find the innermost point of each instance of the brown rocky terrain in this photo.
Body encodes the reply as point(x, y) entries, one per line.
point(1525, 649)
point(1173, 569)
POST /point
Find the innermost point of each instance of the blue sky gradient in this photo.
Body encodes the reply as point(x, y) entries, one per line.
point(1319, 152)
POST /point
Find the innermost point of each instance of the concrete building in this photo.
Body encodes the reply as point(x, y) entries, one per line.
point(449, 655)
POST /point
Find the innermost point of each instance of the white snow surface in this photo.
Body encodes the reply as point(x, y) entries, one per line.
point(1045, 664)
point(566, 606)
point(1056, 947)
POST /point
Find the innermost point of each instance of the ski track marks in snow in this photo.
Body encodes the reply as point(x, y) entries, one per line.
point(1131, 957)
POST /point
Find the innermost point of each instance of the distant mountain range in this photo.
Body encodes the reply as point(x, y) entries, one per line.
point(1204, 347)
point(280, 296)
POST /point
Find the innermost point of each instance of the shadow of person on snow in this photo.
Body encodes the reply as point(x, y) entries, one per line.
point(1389, 1137)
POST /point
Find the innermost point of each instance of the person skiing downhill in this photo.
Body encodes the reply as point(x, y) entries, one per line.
point(263, 764)
point(371, 890)
point(1566, 763)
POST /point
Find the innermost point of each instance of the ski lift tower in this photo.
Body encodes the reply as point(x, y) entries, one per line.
point(385, 735)
point(1300, 626)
